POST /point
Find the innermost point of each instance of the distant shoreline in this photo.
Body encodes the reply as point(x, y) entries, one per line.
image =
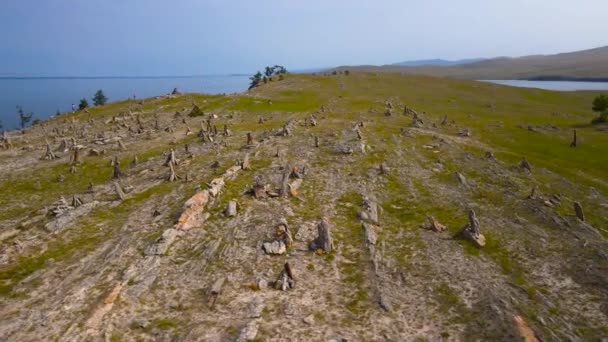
point(111, 77)
point(565, 78)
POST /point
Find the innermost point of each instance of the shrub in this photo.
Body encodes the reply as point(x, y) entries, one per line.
point(83, 104)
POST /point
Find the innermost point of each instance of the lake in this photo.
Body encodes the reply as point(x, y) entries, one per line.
point(45, 96)
point(553, 85)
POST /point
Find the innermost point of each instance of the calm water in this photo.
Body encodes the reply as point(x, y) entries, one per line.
point(45, 96)
point(554, 85)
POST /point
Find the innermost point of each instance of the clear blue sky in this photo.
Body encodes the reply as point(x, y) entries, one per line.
point(185, 37)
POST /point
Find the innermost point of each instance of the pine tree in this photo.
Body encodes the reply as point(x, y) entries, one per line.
point(99, 99)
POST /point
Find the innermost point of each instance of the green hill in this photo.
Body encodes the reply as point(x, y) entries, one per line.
point(585, 65)
point(154, 248)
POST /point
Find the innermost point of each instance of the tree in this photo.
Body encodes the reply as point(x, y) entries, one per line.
point(24, 118)
point(600, 105)
point(255, 80)
point(99, 99)
point(83, 104)
point(268, 71)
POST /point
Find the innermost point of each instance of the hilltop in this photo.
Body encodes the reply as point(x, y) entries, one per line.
point(441, 62)
point(137, 221)
point(580, 65)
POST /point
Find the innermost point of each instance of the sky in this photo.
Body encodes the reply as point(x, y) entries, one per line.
point(193, 37)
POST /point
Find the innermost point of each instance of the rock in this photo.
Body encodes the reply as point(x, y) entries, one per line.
point(384, 169)
point(274, 247)
point(434, 225)
point(286, 280)
point(310, 319)
point(255, 308)
point(370, 212)
point(578, 209)
point(461, 179)
point(470, 231)
point(371, 236)
point(142, 323)
point(385, 303)
point(262, 284)
point(323, 241)
point(216, 288)
point(162, 244)
point(283, 234)
point(524, 164)
point(230, 210)
point(293, 186)
point(249, 332)
point(66, 217)
point(526, 333)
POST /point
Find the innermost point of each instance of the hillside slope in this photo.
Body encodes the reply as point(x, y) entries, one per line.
point(169, 262)
point(587, 64)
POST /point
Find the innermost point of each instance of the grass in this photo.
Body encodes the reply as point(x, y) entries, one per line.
point(86, 240)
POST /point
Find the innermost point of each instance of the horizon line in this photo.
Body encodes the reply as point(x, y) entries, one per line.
point(13, 77)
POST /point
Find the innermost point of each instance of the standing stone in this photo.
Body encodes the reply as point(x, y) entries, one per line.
point(49, 155)
point(323, 241)
point(246, 164)
point(524, 164)
point(470, 231)
point(578, 209)
point(230, 210)
point(574, 140)
point(116, 174)
point(119, 192)
point(286, 280)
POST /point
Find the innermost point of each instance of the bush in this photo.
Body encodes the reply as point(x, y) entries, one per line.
point(83, 104)
point(196, 112)
point(600, 105)
point(99, 99)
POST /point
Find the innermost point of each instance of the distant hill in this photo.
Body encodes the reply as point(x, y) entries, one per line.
point(441, 62)
point(591, 65)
